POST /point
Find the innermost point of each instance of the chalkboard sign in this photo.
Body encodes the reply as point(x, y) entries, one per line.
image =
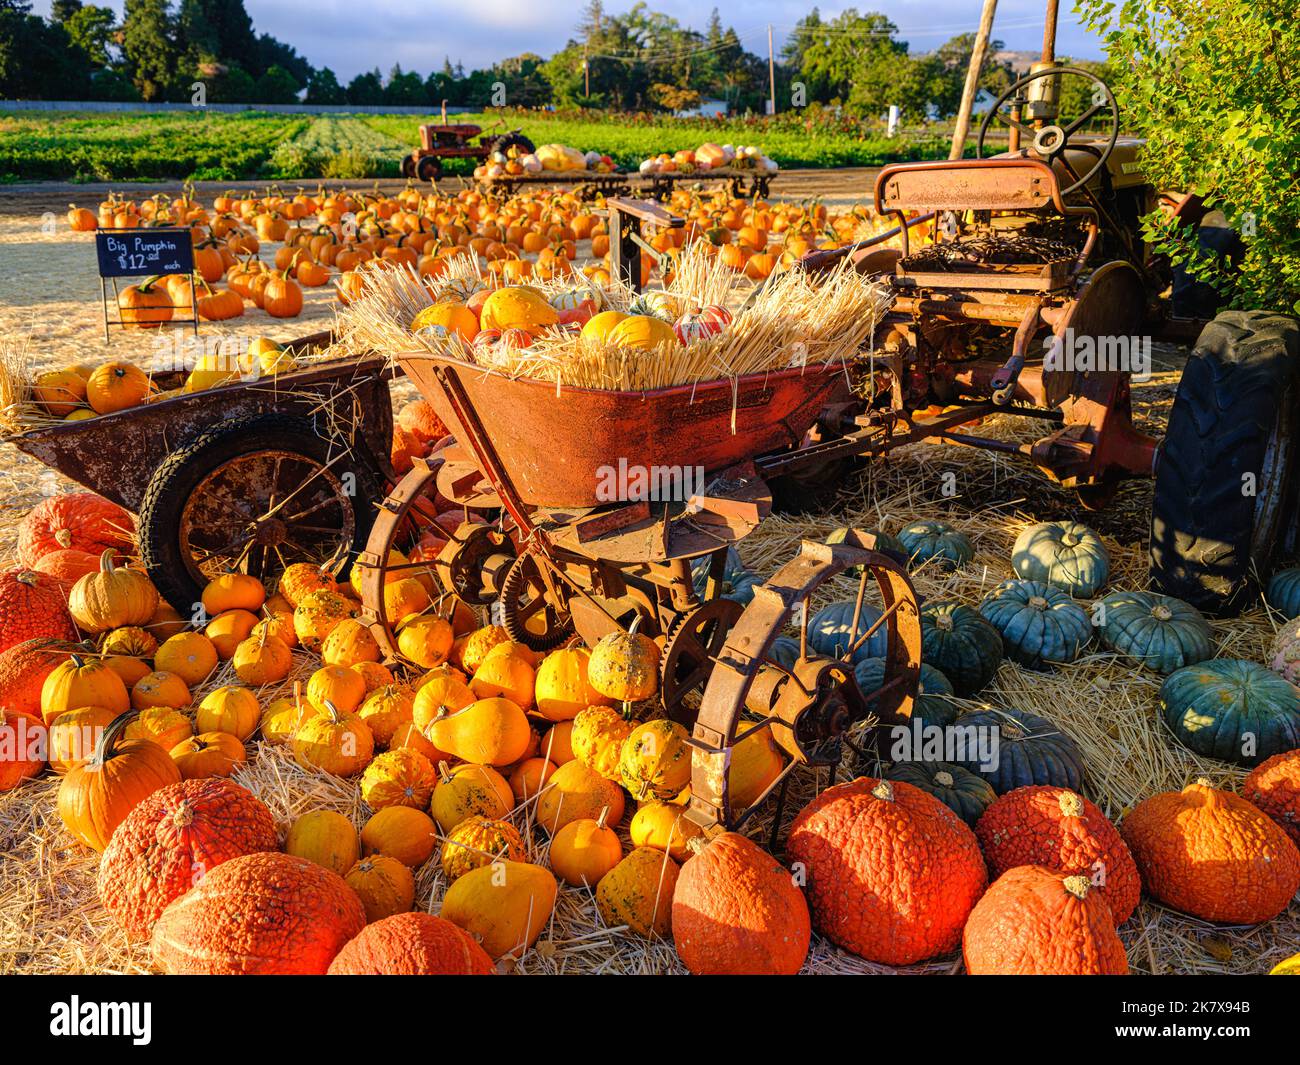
point(143, 252)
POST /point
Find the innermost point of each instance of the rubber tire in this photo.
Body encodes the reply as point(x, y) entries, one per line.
point(428, 168)
point(408, 166)
point(1238, 393)
point(173, 481)
point(511, 140)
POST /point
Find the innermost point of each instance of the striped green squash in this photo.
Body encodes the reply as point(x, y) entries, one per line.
point(1283, 593)
point(933, 705)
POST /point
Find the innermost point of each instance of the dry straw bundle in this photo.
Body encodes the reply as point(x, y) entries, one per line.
point(795, 320)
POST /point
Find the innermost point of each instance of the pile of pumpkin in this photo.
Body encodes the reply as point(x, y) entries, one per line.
point(473, 733)
point(709, 156)
point(513, 162)
point(83, 390)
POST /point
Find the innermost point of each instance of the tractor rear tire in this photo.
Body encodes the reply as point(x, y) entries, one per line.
point(1225, 479)
point(428, 168)
point(510, 140)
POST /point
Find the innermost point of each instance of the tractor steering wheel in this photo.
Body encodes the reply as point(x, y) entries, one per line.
point(1051, 141)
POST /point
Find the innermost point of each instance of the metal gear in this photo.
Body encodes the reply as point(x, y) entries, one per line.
point(524, 598)
point(693, 642)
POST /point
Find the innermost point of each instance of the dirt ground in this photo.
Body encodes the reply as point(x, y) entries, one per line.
point(50, 920)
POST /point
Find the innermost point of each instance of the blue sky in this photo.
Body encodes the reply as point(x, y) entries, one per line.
point(350, 37)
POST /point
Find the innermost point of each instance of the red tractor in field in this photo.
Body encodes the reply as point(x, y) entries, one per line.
point(451, 141)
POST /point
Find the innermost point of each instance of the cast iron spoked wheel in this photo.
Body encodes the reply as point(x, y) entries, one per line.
point(1051, 141)
point(405, 515)
point(254, 496)
point(529, 613)
point(1225, 495)
point(810, 706)
point(692, 646)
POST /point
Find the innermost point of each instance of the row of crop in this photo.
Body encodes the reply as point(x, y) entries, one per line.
point(333, 146)
point(134, 147)
point(789, 144)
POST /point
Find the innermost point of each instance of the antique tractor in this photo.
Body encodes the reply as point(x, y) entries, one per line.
point(451, 141)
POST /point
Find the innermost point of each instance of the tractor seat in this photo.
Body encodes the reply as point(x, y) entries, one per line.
point(1000, 185)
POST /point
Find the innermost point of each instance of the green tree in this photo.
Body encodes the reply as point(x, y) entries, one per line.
point(1212, 87)
point(324, 88)
point(276, 86)
point(232, 84)
point(93, 29)
point(37, 58)
point(404, 89)
point(62, 10)
point(366, 89)
point(220, 28)
point(855, 59)
point(149, 46)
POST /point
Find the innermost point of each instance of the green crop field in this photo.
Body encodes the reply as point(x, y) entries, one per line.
point(216, 146)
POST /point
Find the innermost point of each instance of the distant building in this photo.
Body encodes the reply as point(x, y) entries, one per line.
point(705, 109)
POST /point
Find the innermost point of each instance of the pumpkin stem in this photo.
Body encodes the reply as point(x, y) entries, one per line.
point(1078, 886)
point(106, 748)
point(1071, 804)
point(884, 791)
point(943, 778)
point(604, 814)
point(444, 772)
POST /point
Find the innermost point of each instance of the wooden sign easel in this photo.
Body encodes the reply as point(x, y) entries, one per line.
point(144, 252)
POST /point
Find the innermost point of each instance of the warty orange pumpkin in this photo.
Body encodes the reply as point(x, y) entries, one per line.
point(1212, 854)
point(348, 643)
point(23, 669)
point(24, 743)
point(1035, 921)
point(258, 914)
point(262, 659)
point(411, 944)
point(385, 711)
point(889, 904)
point(316, 615)
point(738, 912)
point(624, 666)
point(33, 606)
point(171, 841)
point(96, 797)
point(162, 724)
point(1060, 829)
point(655, 760)
point(1274, 786)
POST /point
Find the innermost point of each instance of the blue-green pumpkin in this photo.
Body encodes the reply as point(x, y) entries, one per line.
point(1156, 631)
point(1040, 625)
point(1231, 709)
point(784, 651)
point(961, 643)
point(933, 704)
point(1283, 593)
point(1030, 750)
point(965, 793)
point(831, 627)
point(738, 583)
point(1065, 554)
point(885, 544)
point(937, 542)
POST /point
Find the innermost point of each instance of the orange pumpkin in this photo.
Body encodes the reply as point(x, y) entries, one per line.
point(1212, 854)
point(209, 754)
point(116, 386)
point(160, 688)
point(77, 682)
point(189, 655)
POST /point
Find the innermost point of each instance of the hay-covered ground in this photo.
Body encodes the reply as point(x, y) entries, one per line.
point(50, 918)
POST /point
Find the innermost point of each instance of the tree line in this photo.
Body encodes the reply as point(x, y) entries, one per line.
point(639, 60)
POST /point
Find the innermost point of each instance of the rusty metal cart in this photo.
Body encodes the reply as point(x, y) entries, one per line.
point(253, 475)
point(562, 559)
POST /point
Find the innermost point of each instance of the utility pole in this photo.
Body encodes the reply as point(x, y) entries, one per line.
point(771, 73)
point(971, 87)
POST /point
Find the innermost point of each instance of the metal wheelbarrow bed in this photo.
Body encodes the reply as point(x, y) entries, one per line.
point(561, 446)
